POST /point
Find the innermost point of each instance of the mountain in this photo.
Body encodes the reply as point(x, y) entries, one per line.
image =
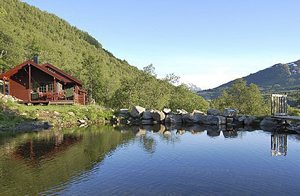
point(278, 78)
point(26, 30)
point(193, 87)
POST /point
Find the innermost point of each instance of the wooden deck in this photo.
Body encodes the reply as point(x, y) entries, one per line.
point(47, 102)
point(293, 118)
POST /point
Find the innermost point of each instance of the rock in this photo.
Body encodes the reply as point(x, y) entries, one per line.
point(229, 112)
point(71, 113)
point(147, 115)
point(229, 120)
point(247, 120)
point(178, 111)
point(198, 112)
point(167, 111)
point(32, 126)
point(212, 120)
point(124, 113)
point(56, 113)
point(213, 112)
point(199, 118)
point(174, 119)
point(147, 122)
point(80, 121)
point(137, 111)
point(158, 115)
point(24, 114)
point(187, 119)
point(269, 123)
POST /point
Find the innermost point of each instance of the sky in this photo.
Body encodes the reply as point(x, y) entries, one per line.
point(205, 42)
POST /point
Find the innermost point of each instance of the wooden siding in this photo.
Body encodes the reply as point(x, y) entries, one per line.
point(21, 88)
point(18, 86)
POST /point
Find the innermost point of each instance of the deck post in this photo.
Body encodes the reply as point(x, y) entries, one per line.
point(54, 89)
point(3, 86)
point(29, 84)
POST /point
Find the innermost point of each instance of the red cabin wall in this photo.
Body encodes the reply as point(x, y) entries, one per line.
point(18, 86)
point(18, 90)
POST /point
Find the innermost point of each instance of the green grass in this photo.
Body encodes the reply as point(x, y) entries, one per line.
point(294, 111)
point(12, 114)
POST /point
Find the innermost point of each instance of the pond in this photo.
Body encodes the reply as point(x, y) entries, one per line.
point(126, 161)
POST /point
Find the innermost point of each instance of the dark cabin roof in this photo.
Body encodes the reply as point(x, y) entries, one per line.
point(60, 72)
point(57, 73)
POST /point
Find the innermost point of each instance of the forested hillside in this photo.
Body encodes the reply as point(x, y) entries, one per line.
point(26, 30)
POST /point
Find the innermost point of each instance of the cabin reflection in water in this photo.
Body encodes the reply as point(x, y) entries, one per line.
point(278, 144)
point(35, 150)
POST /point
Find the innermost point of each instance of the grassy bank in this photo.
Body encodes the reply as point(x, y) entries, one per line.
point(13, 114)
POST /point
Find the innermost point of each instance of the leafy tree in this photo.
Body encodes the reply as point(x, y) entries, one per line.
point(247, 99)
point(172, 78)
point(150, 69)
point(183, 98)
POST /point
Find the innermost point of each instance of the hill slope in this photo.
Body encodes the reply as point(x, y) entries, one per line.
point(26, 30)
point(277, 78)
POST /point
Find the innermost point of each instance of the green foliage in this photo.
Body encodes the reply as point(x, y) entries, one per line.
point(247, 99)
point(184, 98)
point(294, 111)
point(150, 69)
point(112, 82)
point(172, 78)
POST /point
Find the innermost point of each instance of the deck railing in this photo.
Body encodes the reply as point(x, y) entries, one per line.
point(279, 105)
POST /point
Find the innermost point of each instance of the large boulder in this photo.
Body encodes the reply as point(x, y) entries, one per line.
point(148, 122)
point(174, 119)
point(229, 112)
point(213, 112)
point(211, 120)
point(270, 124)
point(199, 118)
point(247, 120)
point(158, 115)
point(137, 111)
point(147, 115)
point(187, 118)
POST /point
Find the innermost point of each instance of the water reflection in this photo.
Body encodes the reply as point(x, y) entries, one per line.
point(279, 139)
point(278, 144)
point(34, 162)
point(34, 150)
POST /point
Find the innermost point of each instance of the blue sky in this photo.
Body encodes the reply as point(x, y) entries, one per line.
point(206, 42)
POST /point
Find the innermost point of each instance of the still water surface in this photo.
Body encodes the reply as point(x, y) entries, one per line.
point(108, 161)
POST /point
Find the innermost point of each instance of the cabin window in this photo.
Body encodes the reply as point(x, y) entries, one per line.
point(43, 88)
point(50, 87)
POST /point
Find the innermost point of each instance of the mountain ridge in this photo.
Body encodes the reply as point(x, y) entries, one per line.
point(277, 78)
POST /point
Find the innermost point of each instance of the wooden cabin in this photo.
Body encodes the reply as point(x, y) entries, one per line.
point(35, 83)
